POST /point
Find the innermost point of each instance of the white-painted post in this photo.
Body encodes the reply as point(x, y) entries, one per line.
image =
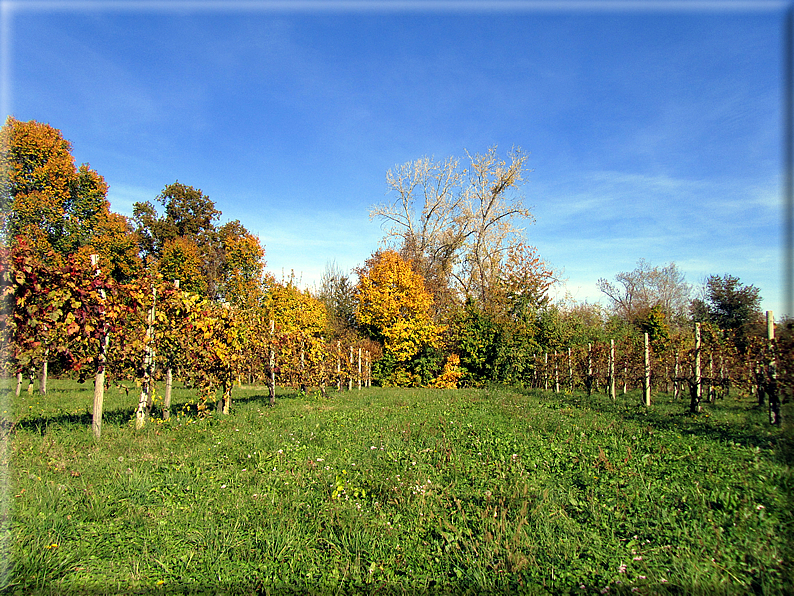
point(556, 374)
point(272, 384)
point(350, 374)
point(338, 366)
point(545, 371)
point(144, 403)
point(612, 368)
point(647, 383)
point(772, 391)
point(99, 379)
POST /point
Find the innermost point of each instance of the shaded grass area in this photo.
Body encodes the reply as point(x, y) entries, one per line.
point(399, 492)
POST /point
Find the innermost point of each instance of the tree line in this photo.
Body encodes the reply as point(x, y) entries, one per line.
point(457, 297)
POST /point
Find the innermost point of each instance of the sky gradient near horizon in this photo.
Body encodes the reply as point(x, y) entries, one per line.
point(651, 134)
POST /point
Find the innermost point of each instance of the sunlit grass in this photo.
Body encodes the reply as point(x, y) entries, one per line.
point(399, 491)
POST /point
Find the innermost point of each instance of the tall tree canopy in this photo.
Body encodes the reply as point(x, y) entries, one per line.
point(729, 305)
point(58, 208)
point(185, 242)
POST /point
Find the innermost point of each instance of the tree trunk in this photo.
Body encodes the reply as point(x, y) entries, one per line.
point(19, 383)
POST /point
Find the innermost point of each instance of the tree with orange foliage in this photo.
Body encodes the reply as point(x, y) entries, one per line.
point(59, 209)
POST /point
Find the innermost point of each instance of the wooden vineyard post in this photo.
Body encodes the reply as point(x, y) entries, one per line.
point(359, 369)
point(612, 368)
point(771, 391)
point(43, 375)
point(570, 371)
point(556, 374)
point(303, 368)
point(169, 380)
point(350, 374)
point(99, 379)
point(144, 403)
point(338, 366)
point(724, 387)
point(647, 384)
point(711, 395)
point(589, 370)
point(696, 392)
point(272, 381)
point(545, 371)
point(676, 382)
point(367, 370)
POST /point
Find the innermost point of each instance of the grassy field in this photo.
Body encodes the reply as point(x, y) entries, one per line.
point(398, 492)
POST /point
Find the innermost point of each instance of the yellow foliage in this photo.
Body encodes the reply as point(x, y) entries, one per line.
point(449, 377)
point(394, 306)
point(295, 312)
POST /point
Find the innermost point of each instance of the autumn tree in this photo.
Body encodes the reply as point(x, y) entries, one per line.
point(230, 260)
point(242, 275)
point(299, 321)
point(58, 208)
point(455, 224)
point(394, 309)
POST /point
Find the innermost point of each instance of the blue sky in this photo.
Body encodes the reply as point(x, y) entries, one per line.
point(653, 131)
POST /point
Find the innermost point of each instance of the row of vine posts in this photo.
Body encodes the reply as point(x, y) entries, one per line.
point(211, 346)
point(706, 368)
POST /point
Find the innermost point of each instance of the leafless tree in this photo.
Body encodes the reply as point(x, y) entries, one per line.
point(456, 224)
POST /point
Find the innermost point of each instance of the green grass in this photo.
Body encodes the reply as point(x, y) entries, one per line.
point(398, 492)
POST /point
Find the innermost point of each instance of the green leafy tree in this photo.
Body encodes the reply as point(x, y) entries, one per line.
point(731, 306)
